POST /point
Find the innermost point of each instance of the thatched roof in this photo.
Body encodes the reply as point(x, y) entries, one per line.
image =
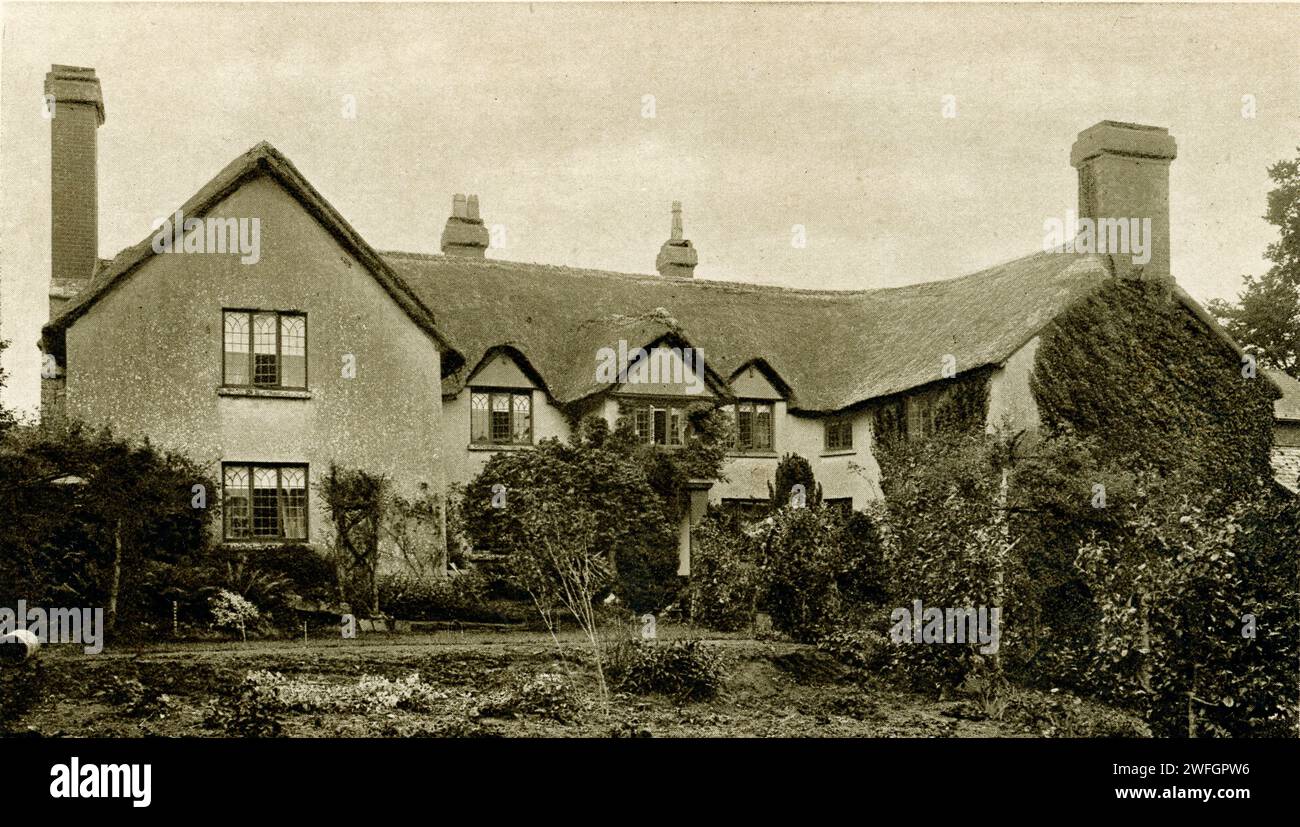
point(832, 348)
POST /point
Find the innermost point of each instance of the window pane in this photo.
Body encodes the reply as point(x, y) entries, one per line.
point(293, 351)
point(763, 427)
point(236, 348)
point(500, 417)
point(234, 493)
point(744, 426)
point(675, 429)
point(478, 417)
point(265, 371)
point(293, 502)
point(266, 518)
point(523, 403)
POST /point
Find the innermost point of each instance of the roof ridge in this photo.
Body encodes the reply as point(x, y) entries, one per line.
point(746, 286)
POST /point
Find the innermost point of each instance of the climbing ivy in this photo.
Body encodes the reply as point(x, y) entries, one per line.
point(1133, 369)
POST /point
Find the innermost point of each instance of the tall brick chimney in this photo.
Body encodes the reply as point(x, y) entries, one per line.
point(464, 234)
point(76, 107)
point(677, 258)
point(1124, 175)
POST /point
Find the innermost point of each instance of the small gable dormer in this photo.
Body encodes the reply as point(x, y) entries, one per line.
point(503, 392)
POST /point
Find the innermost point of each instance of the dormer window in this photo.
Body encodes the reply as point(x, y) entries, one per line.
point(264, 349)
point(500, 417)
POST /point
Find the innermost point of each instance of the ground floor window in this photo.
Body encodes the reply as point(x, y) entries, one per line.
point(264, 502)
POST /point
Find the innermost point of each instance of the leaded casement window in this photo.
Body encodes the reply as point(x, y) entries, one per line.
point(839, 434)
point(264, 349)
point(500, 417)
point(659, 424)
point(264, 502)
point(753, 426)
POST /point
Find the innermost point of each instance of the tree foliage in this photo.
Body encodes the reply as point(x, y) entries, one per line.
point(87, 519)
point(1266, 317)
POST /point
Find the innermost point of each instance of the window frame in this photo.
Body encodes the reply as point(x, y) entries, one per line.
point(837, 424)
point(736, 446)
point(635, 407)
point(510, 394)
point(249, 536)
point(251, 313)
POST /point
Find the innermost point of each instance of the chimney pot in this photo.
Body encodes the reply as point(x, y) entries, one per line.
point(464, 234)
point(677, 257)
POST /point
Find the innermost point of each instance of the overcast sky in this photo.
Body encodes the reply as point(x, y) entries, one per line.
point(766, 117)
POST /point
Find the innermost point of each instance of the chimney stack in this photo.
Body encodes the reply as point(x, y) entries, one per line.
point(464, 234)
point(76, 109)
point(677, 258)
point(1124, 177)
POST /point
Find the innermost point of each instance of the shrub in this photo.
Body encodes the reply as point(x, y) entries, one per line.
point(548, 695)
point(136, 699)
point(1197, 611)
point(724, 573)
point(457, 596)
point(946, 544)
point(801, 562)
point(794, 470)
point(232, 611)
point(864, 650)
point(685, 670)
point(305, 572)
point(248, 709)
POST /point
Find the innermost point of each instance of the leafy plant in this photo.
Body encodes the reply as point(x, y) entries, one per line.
point(685, 670)
point(232, 611)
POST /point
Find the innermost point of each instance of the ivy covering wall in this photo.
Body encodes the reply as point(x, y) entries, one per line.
point(1133, 369)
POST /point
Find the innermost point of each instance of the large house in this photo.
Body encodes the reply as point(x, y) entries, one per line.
point(321, 349)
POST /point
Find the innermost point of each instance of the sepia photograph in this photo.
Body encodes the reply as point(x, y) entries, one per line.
point(384, 380)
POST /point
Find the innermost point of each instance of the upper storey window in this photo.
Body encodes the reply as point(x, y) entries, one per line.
point(264, 349)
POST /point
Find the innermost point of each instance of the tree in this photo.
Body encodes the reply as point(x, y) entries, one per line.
point(632, 528)
point(7, 418)
point(1266, 319)
point(86, 518)
point(793, 470)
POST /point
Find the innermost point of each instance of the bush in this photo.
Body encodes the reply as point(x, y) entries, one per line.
point(306, 573)
point(685, 670)
point(724, 573)
point(248, 709)
point(864, 650)
point(232, 611)
point(548, 695)
point(944, 525)
point(458, 596)
point(801, 563)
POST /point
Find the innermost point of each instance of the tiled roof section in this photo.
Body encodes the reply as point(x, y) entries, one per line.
point(833, 348)
point(262, 159)
point(1288, 406)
